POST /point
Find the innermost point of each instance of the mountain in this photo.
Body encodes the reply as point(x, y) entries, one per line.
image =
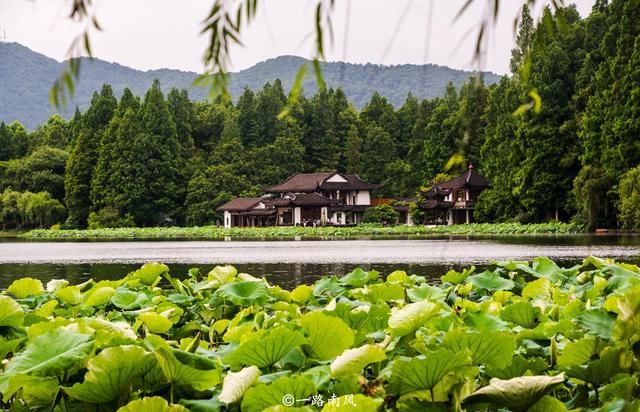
point(26, 78)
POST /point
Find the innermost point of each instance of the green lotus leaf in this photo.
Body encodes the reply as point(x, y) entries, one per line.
point(9, 346)
point(539, 288)
point(354, 360)
point(203, 405)
point(597, 322)
point(35, 390)
point(358, 277)
point(150, 272)
point(494, 349)
point(548, 404)
point(302, 293)
point(328, 285)
point(612, 361)
point(266, 348)
point(425, 291)
point(484, 320)
point(516, 394)
point(110, 374)
point(46, 309)
point(577, 353)
point(11, 313)
point(222, 274)
point(56, 284)
point(491, 281)
point(25, 287)
point(284, 391)
point(128, 299)
point(409, 318)
point(425, 372)
point(383, 292)
point(152, 404)
point(69, 294)
point(235, 384)
point(39, 393)
point(456, 278)
point(543, 267)
point(98, 296)
point(623, 388)
point(183, 368)
point(519, 366)
point(50, 355)
point(246, 293)
point(155, 322)
point(352, 403)
point(398, 276)
point(521, 313)
point(328, 336)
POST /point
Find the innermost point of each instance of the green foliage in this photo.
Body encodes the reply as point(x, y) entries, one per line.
point(41, 171)
point(384, 214)
point(27, 209)
point(213, 232)
point(108, 217)
point(438, 348)
point(629, 194)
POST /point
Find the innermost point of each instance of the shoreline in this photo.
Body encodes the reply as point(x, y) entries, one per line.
point(323, 232)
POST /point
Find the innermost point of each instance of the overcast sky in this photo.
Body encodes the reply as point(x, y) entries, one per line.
point(151, 34)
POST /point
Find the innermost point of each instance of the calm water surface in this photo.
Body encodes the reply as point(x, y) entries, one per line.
point(292, 262)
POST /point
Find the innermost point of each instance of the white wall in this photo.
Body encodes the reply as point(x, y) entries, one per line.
point(297, 216)
point(336, 178)
point(227, 220)
point(363, 198)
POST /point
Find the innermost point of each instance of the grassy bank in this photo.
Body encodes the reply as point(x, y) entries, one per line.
point(519, 336)
point(212, 232)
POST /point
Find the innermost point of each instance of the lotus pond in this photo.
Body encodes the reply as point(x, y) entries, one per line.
point(517, 336)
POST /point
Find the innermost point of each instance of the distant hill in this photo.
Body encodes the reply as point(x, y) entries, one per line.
point(26, 78)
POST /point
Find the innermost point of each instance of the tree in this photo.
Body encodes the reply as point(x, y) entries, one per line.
point(523, 39)
point(353, 151)
point(41, 171)
point(378, 150)
point(384, 214)
point(443, 133)
point(629, 193)
point(593, 203)
point(210, 188)
point(84, 157)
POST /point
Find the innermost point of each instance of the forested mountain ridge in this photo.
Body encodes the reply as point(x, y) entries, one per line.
point(26, 78)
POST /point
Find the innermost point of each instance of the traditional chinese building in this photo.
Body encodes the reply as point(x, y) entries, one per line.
point(453, 201)
point(304, 198)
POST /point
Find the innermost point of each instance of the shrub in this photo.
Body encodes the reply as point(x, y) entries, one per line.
point(384, 214)
point(109, 217)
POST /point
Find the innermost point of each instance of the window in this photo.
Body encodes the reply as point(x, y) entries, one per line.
point(460, 196)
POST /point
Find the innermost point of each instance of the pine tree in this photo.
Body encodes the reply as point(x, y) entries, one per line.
point(83, 159)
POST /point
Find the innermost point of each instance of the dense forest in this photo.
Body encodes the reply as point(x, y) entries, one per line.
point(27, 77)
point(162, 160)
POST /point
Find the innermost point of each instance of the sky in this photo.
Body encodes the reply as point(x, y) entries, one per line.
point(152, 34)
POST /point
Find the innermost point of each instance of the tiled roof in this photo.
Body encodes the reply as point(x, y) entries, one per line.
point(313, 199)
point(239, 204)
point(354, 182)
point(311, 182)
point(435, 191)
point(470, 178)
point(299, 183)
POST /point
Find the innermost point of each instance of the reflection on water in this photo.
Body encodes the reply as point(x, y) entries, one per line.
point(289, 263)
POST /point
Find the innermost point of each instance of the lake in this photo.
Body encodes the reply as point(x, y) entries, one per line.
point(292, 262)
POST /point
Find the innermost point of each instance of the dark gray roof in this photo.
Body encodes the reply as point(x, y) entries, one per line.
point(312, 182)
point(470, 178)
point(239, 204)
